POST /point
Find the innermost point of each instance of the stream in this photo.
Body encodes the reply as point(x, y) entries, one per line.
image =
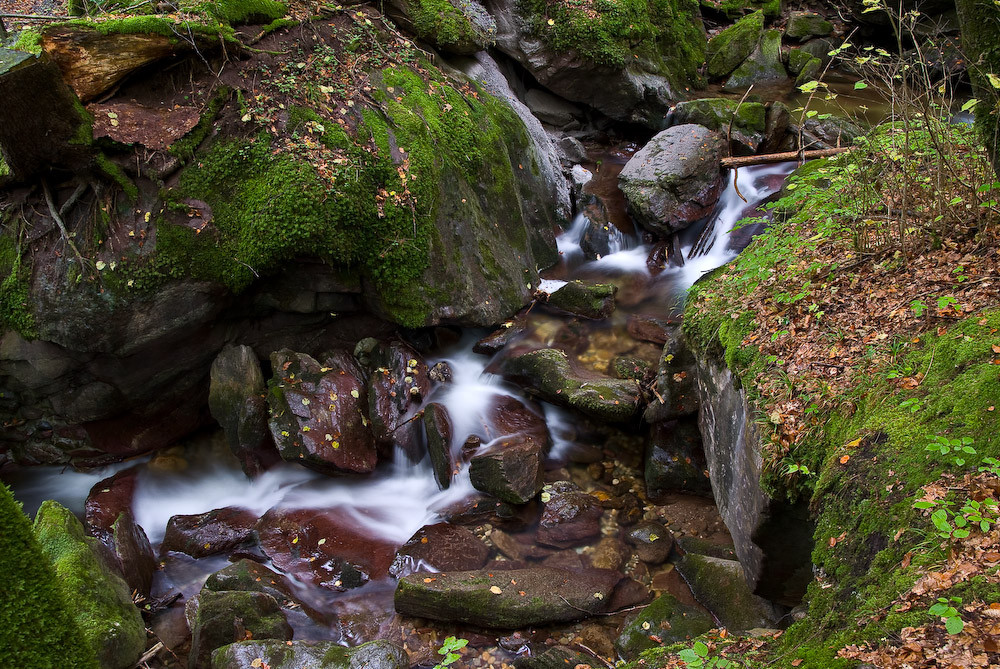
point(399, 498)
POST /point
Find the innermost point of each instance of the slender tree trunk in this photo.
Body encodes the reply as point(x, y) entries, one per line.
point(980, 24)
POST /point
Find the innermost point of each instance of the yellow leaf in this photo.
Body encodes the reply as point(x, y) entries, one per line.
point(495, 590)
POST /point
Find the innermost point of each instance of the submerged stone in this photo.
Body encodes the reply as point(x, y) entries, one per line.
point(589, 300)
point(651, 540)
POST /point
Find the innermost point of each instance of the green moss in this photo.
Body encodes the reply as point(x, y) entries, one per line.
point(733, 45)
point(237, 12)
point(441, 22)
point(616, 34)
point(117, 174)
point(36, 627)
point(29, 40)
point(155, 25)
point(15, 305)
point(185, 147)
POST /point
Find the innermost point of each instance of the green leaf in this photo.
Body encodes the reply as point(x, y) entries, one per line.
point(993, 79)
point(701, 649)
point(858, 85)
point(954, 625)
point(970, 104)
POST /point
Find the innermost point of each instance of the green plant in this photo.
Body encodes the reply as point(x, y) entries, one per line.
point(449, 649)
point(946, 607)
point(697, 657)
point(944, 446)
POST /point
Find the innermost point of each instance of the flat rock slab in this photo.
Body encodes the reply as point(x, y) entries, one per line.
point(508, 599)
point(441, 546)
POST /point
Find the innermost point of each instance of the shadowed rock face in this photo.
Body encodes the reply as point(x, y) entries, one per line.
point(512, 598)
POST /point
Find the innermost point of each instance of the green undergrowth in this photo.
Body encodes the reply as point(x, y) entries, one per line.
point(36, 628)
point(29, 40)
point(616, 34)
point(865, 457)
point(15, 312)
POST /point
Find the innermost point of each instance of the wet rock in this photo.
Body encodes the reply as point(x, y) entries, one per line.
point(610, 553)
point(572, 150)
point(515, 549)
point(762, 67)
point(493, 599)
point(675, 460)
point(820, 48)
point(665, 621)
point(810, 71)
point(210, 533)
point(397, 384)
point(734, 45)
point(596, 241)
point(648, 328)
point(721, 587)
point(803, 25)
point(249, 576)
point(440, 372)
point(832, 132)
point(324, 547)
point(452, 26)
point(570, 516)
point(440, 547)
point(555, 657)
point(317, 414)
point(96, 596)
point(779, 117)
point(508, 416)
point(797, 58)
point(675, 382)
point(674, 180)
point(743, 124)
point(497, 340)
point(217, 619)
point(547, 374)
point(702, 547)
point(437, 424)
point(589, 300)
point(237, 399)
point(652, 541)
point(108, 518)
point(550, 108)
point(510, 470)
point(630, 367)
point(379, 654)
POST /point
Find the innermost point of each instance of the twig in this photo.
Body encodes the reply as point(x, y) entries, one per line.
point(150, 654)
point(44, 17)
point(62, 226)
point(594, 654)
point(729, 142)
point(73, 198)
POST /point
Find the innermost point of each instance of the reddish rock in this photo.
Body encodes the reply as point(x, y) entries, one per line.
point(570, 517)
point(317, 414)
point(509, 416)
point(515, 549)
point(397, 385)
point(211, 533)
point(648, 328)
point(498, 339)
point(440, 547)
point(324, 547)
point(106, 501)
point(652, 541)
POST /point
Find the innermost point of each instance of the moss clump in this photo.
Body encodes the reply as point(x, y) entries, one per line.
point(15, 310)
point(117, 174)
point(29, 40)
point(616, 34)
point(36, 627)
point(157, 25)
point(98, 598)
point(185, 147)
point(237, 12)
point(734, 45)
point(444, 24)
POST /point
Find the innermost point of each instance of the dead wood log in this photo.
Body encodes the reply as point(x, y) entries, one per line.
point(745, 161)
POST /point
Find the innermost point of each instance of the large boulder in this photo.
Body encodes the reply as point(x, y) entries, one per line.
point(317, 412)
point(630, 64)
point(803, 25)
point(743, 124)
point(379, 654)
point(734, 45)
point(513, 598)
point(763, 66)
point(548, 374)
point(237, 399)
point(100, 601)
point(455, 27)
point(673, 180)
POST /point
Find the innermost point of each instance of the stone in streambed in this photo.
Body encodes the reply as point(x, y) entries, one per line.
point(108, 517)
point(734, 45)
point(675, 460)
point(249, 576)
point(666, 618)
point(509, 599)
point(98, 599)
point(398, 382)
point(440, 547)
point(317, 414)
point(743, 123)
point(210, 533)
point(497, 340)
point(217, 619)
point(762, 67)
point(589, 300)
point(803, 25)
point(547, 374)
point(630, 367)
point(721, 587)
point(556, 657)
point(570, 516)
point(651, 540)
point(674, 180)
point(510, 470)
point(379, 654)
point(438, 427)
point(237, 399)
point(675, 382)
point(509, 416)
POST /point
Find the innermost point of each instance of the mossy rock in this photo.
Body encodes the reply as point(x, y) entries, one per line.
point(215, 617)
point(809, 72)
point(721, 587)
point(99, 598)
point(803, 25)
point(762, 67)
point(589, 300)
point(734, 45)
point(238, 12)
point(797, 58)
point(37, 628)
point(666, 618)
point(746, 120)
point(456, 26)
point(378, 654)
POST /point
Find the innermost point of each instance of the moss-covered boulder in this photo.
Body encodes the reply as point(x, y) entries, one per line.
point(796, 60)
point(721, 587)
point(548, 374)
point(461, 27)
point(37, 626)
point(733, 45)
point(809, 71)
point(218, 618)
point(744, 124)
point(763, 66)
point(630, 60)
point(803, 25)
point(580, 298)
point(665, 621)
point(98, 597)
point(378, 654)
point(674, 179)
point(513, 598)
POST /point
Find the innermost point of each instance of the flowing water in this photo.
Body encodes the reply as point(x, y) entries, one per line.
point(399, 498)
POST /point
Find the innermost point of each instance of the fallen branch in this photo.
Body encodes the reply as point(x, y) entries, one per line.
point(43, 17)
point(767, 158)
point(62, 226)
